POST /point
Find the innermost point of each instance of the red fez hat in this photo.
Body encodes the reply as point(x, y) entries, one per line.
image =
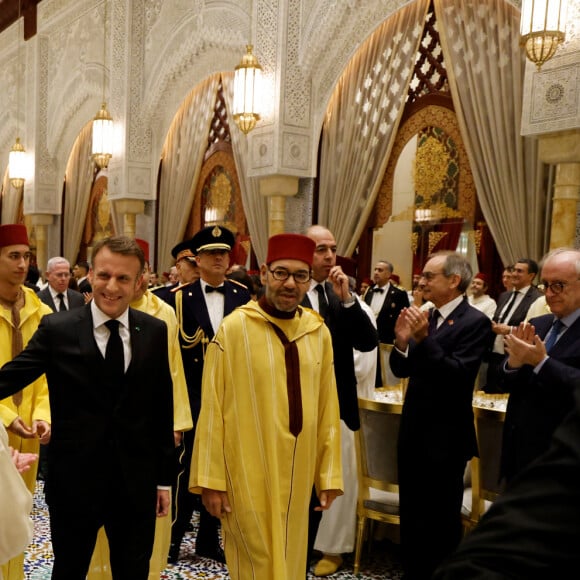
point(395, 278)
point(481, 276)
point(145, 247)
point(290, 247)
point(13, 235)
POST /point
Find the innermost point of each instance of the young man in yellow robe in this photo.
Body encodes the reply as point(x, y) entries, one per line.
point(269, 427)
point(26, 415)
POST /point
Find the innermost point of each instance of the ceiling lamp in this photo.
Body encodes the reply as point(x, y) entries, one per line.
point(247, 86)
point(103, 122)
point(17, 157)
point(543, 26)
point(17, 165)
point(102, 137)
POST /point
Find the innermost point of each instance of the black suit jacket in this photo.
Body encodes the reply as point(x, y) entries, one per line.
point(194, 322)
point(532, 530)
point(99, 437)
point(437, 434)
point(85, 286)
point(349, 328)
point(437, 420)
point(519, 315)
point(539, 401)
point(75, 299)
point(395, 300)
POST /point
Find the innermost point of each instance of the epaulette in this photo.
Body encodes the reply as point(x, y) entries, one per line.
point(238, 283)
point(180, 286)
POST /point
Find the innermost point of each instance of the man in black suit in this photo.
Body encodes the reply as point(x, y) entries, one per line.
point(512, 308)
point(57, 294)
point(440, 352)
point(386, 301)
point(350, 327)
point(200, 307)
point(81, 273)
point(532, 531)
point(543, 366)
point(111, 449)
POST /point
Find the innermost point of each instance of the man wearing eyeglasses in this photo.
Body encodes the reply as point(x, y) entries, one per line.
point(200, 307)
point(440, 352)
point(512, 308)
point(543, 365)
point(269, 424)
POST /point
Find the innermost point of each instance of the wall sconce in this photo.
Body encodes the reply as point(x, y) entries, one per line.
point(247, 87)
point(102, 137)
point(17, 165)
point(542, 29)
point(103, 122)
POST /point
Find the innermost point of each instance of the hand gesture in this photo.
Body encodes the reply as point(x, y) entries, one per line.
point(339, 281)
point(42, 430)
point(20, 428)
point(524, 347)
point(23, 461)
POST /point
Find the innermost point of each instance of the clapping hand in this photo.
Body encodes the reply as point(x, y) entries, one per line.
point(524, 346)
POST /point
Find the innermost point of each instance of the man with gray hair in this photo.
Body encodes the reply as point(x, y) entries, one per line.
point(57, 294)
point(440, 351)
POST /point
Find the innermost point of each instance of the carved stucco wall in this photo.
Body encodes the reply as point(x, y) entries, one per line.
point(159, 50)
point(551, 95)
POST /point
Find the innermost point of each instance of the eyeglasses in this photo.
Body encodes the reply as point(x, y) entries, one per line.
point(555, 287)
point(430, 275)
point(300, 277)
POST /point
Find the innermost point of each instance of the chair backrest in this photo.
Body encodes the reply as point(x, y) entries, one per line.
point(377, 444)
point(378, 475)
point(485, 473)
point(388, 379)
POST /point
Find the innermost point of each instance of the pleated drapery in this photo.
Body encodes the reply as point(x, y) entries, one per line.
point(485, 66)
point(78, 182)
point(182, 159)
point(361, 124)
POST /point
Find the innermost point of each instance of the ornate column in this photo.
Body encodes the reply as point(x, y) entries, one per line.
point(278, 188)
point(131, 175)
point(563, 150)
point(129, 208)
point(282, 148)
point(40, 223)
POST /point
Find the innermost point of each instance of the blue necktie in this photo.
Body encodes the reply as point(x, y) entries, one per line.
point(557, 327)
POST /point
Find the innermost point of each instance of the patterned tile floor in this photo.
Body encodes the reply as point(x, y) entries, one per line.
point(381, 564)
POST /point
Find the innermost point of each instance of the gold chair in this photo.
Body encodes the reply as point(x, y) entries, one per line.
point(485, 482)
point(376, 453)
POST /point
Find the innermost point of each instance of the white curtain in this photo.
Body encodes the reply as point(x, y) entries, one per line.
point(11, 199)
point(79, 180)
point(361, 124)
point(182, 157)
point(485, 66)
point(255, 204)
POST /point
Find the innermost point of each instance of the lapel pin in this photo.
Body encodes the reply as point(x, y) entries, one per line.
point(190, 294)
point(450, 322)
